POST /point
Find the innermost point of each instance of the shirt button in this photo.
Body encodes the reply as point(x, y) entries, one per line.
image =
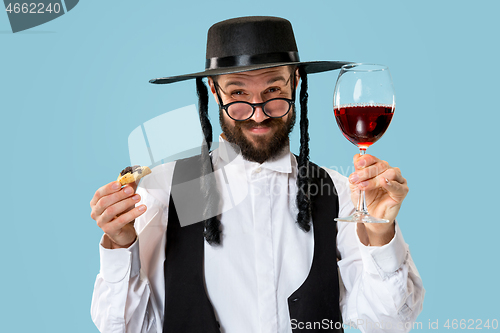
point(259, 169)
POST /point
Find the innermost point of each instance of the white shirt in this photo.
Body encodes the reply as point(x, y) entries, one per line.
point(263, 259)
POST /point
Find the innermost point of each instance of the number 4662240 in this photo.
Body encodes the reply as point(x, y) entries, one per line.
point(471, 324)
point(33, 8)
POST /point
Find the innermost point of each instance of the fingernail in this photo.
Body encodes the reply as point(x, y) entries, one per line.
point(128, 190)
point(364, 184)
point(354, 178)
point(135, 197)
point(361, 163)
point(142, 208)
point(115, 186)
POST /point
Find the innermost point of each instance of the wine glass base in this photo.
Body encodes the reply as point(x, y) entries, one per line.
point(360, 217)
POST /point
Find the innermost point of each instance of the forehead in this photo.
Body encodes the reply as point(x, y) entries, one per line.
point(256, 77)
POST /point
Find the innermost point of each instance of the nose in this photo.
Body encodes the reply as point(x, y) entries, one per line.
point(259, 115)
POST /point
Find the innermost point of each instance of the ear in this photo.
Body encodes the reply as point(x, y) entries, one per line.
point(211, 84)
point(212, 88)
point(297, 77)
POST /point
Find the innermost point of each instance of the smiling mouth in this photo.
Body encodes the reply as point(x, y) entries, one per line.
point(259, 129)
point(264, 127)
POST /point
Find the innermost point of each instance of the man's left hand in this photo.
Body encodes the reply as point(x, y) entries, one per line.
point(385, 190)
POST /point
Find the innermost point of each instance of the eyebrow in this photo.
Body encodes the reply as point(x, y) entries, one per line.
point(241, 84)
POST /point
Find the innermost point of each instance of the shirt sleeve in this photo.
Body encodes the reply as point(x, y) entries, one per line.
point(381, 289)
point(125, 297)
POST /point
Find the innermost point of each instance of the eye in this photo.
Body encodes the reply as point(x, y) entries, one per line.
point(273, 90)
point(237, 93)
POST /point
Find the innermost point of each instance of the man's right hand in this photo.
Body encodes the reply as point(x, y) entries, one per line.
point(113, 210)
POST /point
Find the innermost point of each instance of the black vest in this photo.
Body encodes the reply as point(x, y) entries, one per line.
point(187, 307)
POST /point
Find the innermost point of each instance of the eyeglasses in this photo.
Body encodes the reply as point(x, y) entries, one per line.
point(241, 110)
point(273, 108)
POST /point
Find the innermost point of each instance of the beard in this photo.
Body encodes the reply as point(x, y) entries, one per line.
point(262, 148)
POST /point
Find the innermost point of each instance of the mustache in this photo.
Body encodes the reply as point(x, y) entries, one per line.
point(270, 122)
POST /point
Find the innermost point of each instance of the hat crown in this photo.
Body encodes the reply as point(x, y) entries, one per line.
point(253, 35)
point(250, 43)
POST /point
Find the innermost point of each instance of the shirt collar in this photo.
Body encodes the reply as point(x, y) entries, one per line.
point(281, 163)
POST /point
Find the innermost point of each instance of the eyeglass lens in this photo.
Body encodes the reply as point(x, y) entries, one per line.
point(273, 108)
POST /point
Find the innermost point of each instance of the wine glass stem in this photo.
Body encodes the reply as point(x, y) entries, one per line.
point(361, 198)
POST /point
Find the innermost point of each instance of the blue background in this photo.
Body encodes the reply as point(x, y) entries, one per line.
point(73, 89)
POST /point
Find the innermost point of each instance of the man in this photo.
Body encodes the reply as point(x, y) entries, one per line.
point(269, 263)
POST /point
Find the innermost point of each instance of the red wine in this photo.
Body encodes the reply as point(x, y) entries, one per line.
point(363, 125)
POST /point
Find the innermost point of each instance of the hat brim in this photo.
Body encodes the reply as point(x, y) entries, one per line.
point(310, 67)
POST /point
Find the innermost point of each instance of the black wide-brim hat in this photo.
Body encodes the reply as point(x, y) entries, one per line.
point(249, 43)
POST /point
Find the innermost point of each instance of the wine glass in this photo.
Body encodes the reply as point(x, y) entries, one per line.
point(363, 104)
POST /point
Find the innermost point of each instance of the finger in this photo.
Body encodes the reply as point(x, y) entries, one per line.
point(363, 161)
point(369, 172)
point(133, 185)
point(116, 225)
point(120, 207)
point(105, 190)
point(394, 174)
point(394, 188)
point(391, 175)
point(110, 199)
point(117, 210)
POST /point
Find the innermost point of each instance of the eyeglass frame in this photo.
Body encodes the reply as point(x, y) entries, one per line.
point(254, 105)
